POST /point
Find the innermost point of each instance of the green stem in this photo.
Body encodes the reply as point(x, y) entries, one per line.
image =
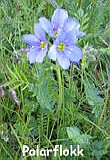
point(60, 84)
point(46, 9)
point(71, 74)
point(79, 3)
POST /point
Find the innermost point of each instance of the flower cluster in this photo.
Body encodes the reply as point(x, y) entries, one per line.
point(64, 31)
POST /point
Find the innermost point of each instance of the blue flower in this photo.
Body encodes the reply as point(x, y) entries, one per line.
point(64, 31)
point(54, 26)
point(71, 25)
point(60, 22)
point(64, 50)
point(38, 44)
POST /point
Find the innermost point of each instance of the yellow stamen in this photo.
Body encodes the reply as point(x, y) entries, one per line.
point(61, 46)
point(42, 45)
point(55, 33)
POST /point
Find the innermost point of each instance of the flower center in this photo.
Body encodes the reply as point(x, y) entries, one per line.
point(55, 33)
point(42, 45)
point(61, 47)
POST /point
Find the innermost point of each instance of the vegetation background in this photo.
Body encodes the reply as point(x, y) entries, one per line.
point(30, 112)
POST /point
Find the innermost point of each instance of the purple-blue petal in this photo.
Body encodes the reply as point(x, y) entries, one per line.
point(46, 25)
point(58, 18)
point(66, 38)
point(77, 63)
point(70, 24)
point(40, 56)
point(80, 34)
point(31, 55)
point(52, 52)
point(74, 53)
point(36, 55)
point(39, 32)
point(63, 61)
point(30, 39)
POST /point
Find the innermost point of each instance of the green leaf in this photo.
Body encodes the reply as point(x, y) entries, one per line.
point(92, 94)
point(76, 136)
point(99, 149)
point(73, 132)
point(45, 89)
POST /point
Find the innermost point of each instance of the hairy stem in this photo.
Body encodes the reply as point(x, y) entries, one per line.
point(71, 75)
point(79, 3)
point(60, 84)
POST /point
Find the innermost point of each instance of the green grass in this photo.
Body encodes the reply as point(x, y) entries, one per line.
point(56, 106)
